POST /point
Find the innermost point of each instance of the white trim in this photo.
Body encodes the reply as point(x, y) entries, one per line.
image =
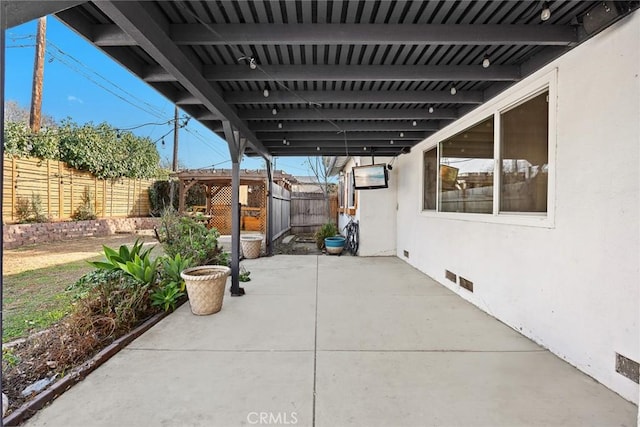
point(511, 99)
point(497, 153)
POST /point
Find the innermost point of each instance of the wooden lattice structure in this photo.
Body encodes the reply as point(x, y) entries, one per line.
point(217, 209)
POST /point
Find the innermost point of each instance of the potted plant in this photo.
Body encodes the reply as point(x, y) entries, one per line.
point(327, 238)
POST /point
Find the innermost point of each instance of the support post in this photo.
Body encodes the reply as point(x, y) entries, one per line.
point(3, 17)
point(236, 149)
point(235, 228)
point(270, 225)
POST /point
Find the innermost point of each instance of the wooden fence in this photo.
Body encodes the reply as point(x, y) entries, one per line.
point(61, 190)
point(310, 210)
point(281, 219)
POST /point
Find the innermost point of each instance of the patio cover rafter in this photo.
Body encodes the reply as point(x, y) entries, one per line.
point(312, 136)
point(19, 12)
point(330, 34)
point(339, 151)
point(323, 73)
point(340, 144)
point(148, 30)
point(343, 65)
point(353, 126)
point(344, 114)
point(350, 97)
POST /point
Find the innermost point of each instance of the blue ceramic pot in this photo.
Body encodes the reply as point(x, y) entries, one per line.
point(334, 244)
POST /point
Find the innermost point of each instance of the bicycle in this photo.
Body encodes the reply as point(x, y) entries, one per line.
point(353, 235)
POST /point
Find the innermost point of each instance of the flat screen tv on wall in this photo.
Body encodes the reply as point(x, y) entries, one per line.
point(370, 177)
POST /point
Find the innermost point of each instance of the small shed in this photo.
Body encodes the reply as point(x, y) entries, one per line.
point(217, 183)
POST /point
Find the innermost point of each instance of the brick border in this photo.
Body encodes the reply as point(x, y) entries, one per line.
point(17, 235)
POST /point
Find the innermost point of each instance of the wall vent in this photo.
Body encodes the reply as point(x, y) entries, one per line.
point(467, 284)
point(406, 253)
point(451, 276)
point(628, 368)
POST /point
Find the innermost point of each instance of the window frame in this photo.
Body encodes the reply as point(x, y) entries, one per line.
point(436, 183)
point(512, 99)
point(341, 191)
point(350, 187)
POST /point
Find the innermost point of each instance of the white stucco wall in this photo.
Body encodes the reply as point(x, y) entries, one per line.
point(376, 213)
point(572, 285)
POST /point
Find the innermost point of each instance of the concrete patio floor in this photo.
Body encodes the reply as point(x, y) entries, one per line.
point(336, 341)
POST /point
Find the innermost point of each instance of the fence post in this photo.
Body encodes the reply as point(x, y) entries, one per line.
point(60, 191)
point(95, 195)
point(71, 192)
point(48, 188)
point(14, 185)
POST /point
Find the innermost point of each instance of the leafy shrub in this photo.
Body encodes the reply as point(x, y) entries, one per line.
point(191, 239)
point(171, 286)
point(23, 209)
point(167, 296)
point(20, 141)
point(244, 275)
point(160, 195)
point(327, 230)
point(100, 149)
point(172, 267)
point(30, 210)
point(9, 357)
point(142, 269)
point(109, 303)
point(127, 283)
point(116, 258)
point(37, 210)
point(94, 148)
point(132, 261)
point(85, 210)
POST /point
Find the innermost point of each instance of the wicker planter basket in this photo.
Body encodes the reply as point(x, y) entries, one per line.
point(251, 246)
point(205, 287)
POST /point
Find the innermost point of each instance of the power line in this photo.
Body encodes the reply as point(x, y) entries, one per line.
point(156, 111)
point(109, 81)
point(60, 130)
point(88, 77)
point(20, 46)
point(198, 136)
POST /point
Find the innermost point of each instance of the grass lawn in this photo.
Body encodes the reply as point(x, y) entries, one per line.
point(36, 299)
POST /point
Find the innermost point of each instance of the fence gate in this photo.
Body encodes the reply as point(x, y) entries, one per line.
point(310, 210)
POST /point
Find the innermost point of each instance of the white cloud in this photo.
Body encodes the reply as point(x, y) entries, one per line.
point(72, 98)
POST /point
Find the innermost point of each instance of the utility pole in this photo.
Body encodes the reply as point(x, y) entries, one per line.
point(175, 140)
point(174, 163)
point(38, 77)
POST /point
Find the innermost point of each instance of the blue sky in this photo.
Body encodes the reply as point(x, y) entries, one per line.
point(84, 84)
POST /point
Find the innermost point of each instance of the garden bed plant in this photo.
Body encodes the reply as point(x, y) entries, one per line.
point(126, 289)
